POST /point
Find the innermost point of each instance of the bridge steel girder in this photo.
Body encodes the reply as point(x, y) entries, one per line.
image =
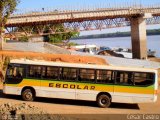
point(93, 25)
point(77, 26)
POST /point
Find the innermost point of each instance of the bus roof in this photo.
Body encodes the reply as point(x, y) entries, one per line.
point(78, 65)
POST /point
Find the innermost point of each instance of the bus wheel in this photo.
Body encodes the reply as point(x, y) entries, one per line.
point(103, 101)
point(28, 95)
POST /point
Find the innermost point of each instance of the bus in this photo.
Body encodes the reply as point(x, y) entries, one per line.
point(103, 84)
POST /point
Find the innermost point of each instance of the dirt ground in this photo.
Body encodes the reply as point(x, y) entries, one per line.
point(54, 57)
point(84, 109)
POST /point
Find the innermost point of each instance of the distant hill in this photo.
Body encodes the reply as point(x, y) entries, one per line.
point(117, 34)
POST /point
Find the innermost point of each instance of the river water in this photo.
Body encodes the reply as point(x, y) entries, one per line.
point(153, 42)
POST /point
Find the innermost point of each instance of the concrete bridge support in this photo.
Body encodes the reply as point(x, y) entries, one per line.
point(138, 36)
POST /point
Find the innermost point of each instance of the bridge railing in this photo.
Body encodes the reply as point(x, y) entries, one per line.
point(116, 6)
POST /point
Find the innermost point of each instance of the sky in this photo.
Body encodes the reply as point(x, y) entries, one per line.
point(37, 5)
point(29, 4)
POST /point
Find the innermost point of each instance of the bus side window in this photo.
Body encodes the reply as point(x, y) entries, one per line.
point(87, 75)
point(19, 72)
point(130, 78)
point(104, 76)
point(125, 78)
point(69, 74)
point(119, 77)
point(34, 71)
point(51, 72)
point(144, 79)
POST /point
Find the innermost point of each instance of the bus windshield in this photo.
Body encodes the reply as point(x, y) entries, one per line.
point(14, 74)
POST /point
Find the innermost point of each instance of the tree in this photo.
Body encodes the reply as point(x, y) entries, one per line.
point(53, 33)
point(62, 35)
point(7, 7)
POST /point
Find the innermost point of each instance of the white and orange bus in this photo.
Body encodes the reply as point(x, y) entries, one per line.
point(101, 83)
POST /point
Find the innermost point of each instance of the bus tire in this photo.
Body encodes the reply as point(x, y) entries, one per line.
point(103, 101)
point(28, 95)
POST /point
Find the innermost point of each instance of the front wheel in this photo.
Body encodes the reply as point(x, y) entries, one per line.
point(28, 95)
point(104, 101)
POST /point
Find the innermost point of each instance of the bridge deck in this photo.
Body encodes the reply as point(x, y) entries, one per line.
point(77, 16)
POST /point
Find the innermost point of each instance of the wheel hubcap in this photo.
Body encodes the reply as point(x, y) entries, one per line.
point(28, 95)
point(103, 101)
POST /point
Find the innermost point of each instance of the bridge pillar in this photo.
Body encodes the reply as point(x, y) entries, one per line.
point(138, 36)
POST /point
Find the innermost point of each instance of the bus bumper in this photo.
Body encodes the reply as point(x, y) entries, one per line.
point(11, 90)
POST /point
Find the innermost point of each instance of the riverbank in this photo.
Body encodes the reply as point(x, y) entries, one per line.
point(117, 34)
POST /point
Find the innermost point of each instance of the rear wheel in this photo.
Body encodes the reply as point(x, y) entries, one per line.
point(103, 101)
point(28, 95)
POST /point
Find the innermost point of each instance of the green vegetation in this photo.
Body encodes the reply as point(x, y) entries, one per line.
point(23, 39)
point(7, 7)
point(72, 44)
point(118, 34)
point(62, 35)
point(153, 32)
